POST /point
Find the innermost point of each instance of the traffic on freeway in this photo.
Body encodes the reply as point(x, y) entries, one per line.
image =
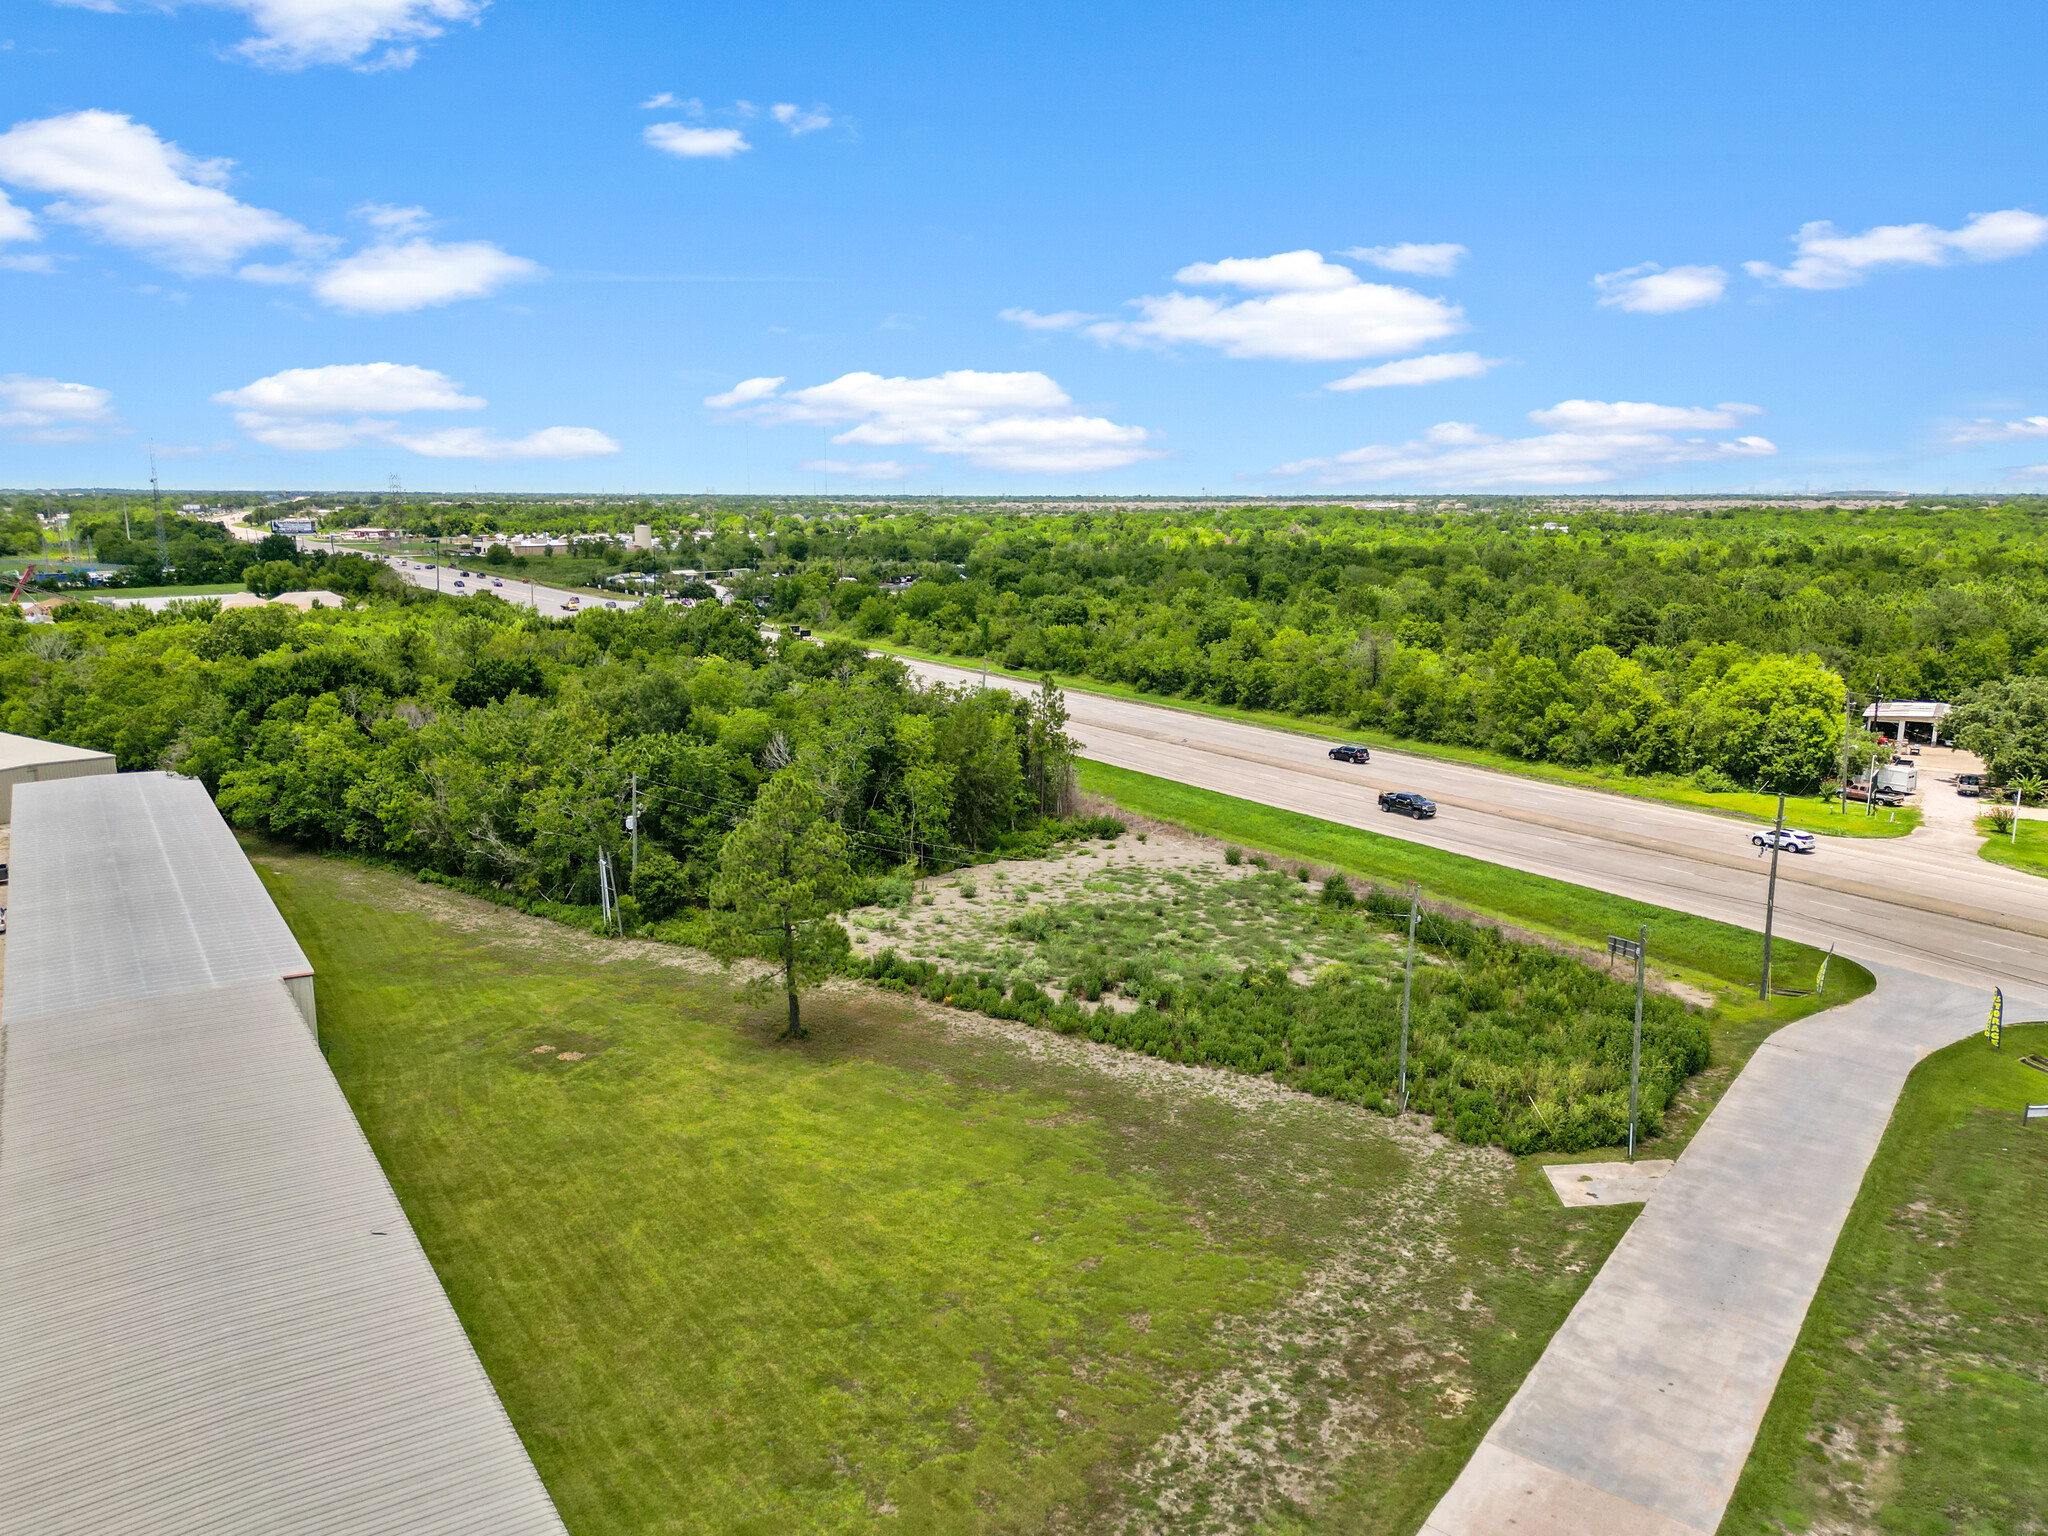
point(1913, 902)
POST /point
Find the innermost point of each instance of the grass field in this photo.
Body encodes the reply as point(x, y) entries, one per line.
point(1917, 1398)
point(219, 589)
point(1807, 812)
point(910, 1278)
point(2029, 853)
point(1715, 958)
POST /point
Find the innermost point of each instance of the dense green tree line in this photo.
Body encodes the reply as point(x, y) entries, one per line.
point(467, 738)
point(1717, 644)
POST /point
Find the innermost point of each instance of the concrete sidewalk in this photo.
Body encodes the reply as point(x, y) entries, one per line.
point(1639, 1417)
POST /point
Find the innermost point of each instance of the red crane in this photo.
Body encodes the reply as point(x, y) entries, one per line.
point(27, 572)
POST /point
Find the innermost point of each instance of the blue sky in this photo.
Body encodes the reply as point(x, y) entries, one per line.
point(1059, 248)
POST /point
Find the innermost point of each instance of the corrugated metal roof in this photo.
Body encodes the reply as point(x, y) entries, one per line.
point(28, 751)
point(132, 888)
point(216, 1319)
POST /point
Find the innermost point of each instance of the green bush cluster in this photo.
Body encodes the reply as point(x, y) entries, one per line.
point(1512, 1044)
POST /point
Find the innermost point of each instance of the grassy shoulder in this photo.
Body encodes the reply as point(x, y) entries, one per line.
point(1809, 813)
point(1917, 1395)
point(2029, 851)
point(218, 589)
point(902, 1276)
point(1697, 952)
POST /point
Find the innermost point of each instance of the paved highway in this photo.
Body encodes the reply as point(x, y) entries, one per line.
point(1918, 902)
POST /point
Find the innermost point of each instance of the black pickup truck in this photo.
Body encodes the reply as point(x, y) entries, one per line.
point(1408, 803)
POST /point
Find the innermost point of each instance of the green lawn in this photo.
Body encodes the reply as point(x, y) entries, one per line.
point(1807, 812)
point(2030, 853)
point(218, 590)
point(902, 1279)
point(1917, 1398)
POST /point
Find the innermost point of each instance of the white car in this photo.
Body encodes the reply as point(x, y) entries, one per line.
point(1789, 840)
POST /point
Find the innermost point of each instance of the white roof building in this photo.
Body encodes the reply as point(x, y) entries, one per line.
point(218, 1321)
point(26, 760)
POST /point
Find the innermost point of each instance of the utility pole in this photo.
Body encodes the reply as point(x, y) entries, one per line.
point(1635, 1057)
point(163, 545)
point(633, 826)
point(2015, 817)
point(1848, 718)
point(1408, 987)
point(1763, 987)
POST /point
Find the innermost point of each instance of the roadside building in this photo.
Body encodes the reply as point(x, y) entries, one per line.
point(1907, 720)
point(318, 597)
point(218, 1320)
point(25, 760)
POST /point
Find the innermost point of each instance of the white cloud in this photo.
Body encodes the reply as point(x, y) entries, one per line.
point(1596, 441)
point(299, 410)
point(797, 120)
point(1653, 290)
point(291, 34)
point(661, 99)
point(1317, 312)
point(1013, 422)
point(1825, 259)
point(31, 263)
point(16, 223)
point(34, 410)
point(393, 221)
point(1031, 320)
point(394, 276)
point(1641, 416)
point(116, 179)
point(863, 469)
point(343, 387)
point(1431, 368)
point(1987, 431)
point(744, 393)
point(1421, 260)
point(687, 143)
point(476, 443)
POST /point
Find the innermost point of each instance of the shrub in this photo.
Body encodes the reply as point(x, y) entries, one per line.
point(1337, 891)
point(1233, 855)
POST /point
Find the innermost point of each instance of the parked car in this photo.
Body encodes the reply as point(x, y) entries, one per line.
point(1787, 839)
point(1969, 788)
point(1862, 793)
point(1408, 803)
point(1348, 754)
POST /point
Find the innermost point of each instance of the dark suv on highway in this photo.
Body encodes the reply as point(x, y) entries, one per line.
point(1408, 803)
point(1351, 754)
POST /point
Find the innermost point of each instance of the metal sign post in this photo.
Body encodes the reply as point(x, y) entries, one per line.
point(1408, 987)
point(1636, 949)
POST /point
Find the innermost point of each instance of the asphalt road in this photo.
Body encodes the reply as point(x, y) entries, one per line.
point(1917, 902)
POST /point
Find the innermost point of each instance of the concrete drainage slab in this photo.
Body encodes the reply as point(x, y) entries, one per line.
point(1606, 1183)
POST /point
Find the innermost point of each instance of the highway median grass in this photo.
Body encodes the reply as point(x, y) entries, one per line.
point(1808, 813)
point(1917, 1396)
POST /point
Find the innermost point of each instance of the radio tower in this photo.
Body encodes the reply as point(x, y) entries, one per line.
point(156, 502)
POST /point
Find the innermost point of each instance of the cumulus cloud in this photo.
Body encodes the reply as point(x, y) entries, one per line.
point(1031, 320)
point(1824, 258)
point(36, 410)
point(319, 410)
point(394, 276)
point(367, 34)
point(1421, 260)
point(688, 143)
point(114, 178)
point(1431, 368)
point(1653, 290)
point(476, 443)
point(859, 469)
point(1016, 422)
point(344, 387)
point(744, 393)
point(16, 223)
point(1313, 311)
point(797, 120)
point(1593, 441)
point(1988, 431)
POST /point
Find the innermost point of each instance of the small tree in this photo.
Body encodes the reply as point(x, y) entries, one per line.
point(781, 874)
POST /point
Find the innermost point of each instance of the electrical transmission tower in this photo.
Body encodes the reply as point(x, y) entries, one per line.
point(156, 502)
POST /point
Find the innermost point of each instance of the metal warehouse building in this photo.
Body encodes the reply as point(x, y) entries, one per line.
point(217, 1321)
point(25, 760)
